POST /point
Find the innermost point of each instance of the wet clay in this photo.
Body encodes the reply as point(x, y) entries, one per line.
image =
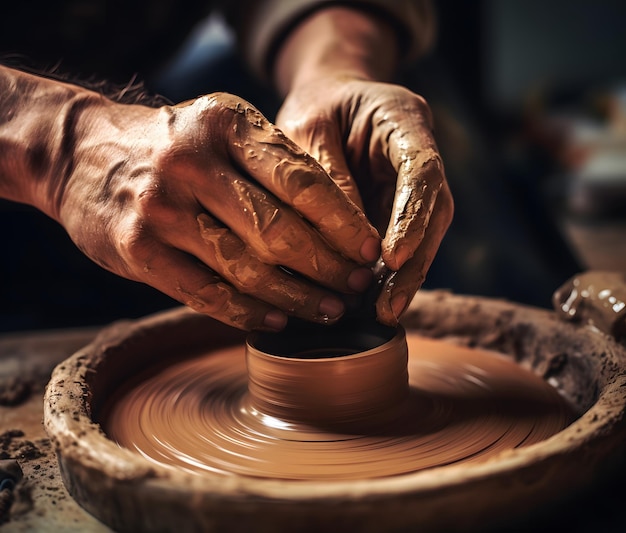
point(596, 298)
point(462, 405)
point(130, 492)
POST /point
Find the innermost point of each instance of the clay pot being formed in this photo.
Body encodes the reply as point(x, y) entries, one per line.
point(349, 375)
point(129, 493)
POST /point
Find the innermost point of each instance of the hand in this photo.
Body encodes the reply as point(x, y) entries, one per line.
point(375, 140)
point(206, 201)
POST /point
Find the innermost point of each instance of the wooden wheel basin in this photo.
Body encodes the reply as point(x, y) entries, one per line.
point(131, 492)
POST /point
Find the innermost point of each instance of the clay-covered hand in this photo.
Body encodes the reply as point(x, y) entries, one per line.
point(210, 203)
point(376, 141)
point(206, 201)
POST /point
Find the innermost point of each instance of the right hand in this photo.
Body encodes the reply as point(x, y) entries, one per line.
point(212, 205)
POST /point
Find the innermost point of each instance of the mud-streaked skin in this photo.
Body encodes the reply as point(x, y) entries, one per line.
point(377, 142)
point(138, 190)
point(351, 417)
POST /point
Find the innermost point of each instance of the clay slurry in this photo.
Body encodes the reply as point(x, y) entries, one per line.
point(464, 405)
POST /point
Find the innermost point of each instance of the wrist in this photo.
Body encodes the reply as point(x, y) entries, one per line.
point(336, 41)
point(38, 119)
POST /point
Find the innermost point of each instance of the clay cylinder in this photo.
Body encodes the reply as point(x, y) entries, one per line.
point(346, 375)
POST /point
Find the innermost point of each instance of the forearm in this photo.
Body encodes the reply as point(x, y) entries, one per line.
point(37, 137)
point(339, 41)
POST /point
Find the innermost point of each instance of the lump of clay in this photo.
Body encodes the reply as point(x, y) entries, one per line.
point(596, 298)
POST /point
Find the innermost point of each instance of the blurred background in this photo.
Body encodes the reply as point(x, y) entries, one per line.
point(534, 138)
point(529, 99)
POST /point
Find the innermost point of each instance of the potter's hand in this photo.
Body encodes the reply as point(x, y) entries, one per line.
point(375, 139)
point(203, 201)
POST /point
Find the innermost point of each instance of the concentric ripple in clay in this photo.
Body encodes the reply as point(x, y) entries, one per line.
point(464, 405)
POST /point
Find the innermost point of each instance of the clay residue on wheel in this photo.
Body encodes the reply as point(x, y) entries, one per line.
point(595, 298)
point(465, 405)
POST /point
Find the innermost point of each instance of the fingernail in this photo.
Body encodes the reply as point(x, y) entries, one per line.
point(275, 320)
point(402, 255)
point(331, 307)
point(398, 304)
point(370, 249)
point(360, 279)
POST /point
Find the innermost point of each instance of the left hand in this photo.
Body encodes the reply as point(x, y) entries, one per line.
point(376, 141)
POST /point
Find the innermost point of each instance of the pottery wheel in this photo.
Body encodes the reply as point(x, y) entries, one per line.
point(464, 405)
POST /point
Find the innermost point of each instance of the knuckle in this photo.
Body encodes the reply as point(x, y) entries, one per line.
point(136, 247)
point(165, 156)
point(447, 205)
point(421, 102)
point(154, 204)
point(214, 297)
point(418, 106)
point(251, 276)
point(221, 301)
point(209, 294)
point(423, 106)
point(134, 241)
point(284, 243)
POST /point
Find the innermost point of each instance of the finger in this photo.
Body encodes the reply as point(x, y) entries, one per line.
point(294, 177)
point(202, 236)
point(323, 142)
point(276, 235)
point(185, 279)
point(401, 286)
point(420, 176)
point(413, 206)
point(225, 253)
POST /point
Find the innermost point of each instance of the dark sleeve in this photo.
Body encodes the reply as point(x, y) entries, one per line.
point(260, 25)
